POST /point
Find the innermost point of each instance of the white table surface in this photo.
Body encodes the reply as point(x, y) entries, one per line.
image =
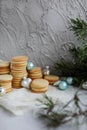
point(29, 121)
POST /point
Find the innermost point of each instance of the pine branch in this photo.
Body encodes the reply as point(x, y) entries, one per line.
point(48, 103)
point(78, 67)
point(57, 117)
point(79, 27)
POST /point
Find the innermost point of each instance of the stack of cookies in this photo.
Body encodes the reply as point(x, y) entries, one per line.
point(39, 85)
point(6, 82)
point(4, 67)
point(35, 73)
point(18, 70)
point(51, 78)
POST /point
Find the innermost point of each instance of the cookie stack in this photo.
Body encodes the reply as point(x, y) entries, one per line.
point(6, 82)
point(39, 85)
point(35, 73)
point(4, 67)
point(51, 78)
point(18, 70)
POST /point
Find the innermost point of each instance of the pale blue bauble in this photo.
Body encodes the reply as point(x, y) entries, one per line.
point(69, 80)
point(30, 65)
point(63, 85)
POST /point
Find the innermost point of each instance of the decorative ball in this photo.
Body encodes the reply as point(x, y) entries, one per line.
point(62, 85)
point(29, 80)
point(26, 82)
point(84, 85)
point(2, 91)
point(46, 70)
point(30, 65)
point(69, 80)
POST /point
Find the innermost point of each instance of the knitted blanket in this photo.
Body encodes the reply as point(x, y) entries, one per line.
point(20, 101)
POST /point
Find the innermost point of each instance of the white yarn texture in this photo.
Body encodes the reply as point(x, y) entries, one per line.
point(20, 101)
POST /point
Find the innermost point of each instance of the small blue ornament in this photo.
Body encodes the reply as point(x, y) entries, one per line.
point(69, 80)
point(63, 85)
point(30, 65)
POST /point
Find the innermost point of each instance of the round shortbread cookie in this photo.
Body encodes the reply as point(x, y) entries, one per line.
point(19, 65)
point(19, 62)
point(17, 77)
point(18, 72)
point(20, 58)
point(39, 90)
point(51, 78)
point(5, 77)
point(6, 72)
point(38, 76)
point(5, 84)
point(21, 75)
point(35, 74)
point(18, 68)
point(35, 69)
point(4, 68)
point(7, 87)
point(16, 86)
point(9, 90)
point(4, 63)
point(39, 83)
point(7, 81)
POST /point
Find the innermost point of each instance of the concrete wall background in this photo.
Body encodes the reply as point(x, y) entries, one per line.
point(38, 28)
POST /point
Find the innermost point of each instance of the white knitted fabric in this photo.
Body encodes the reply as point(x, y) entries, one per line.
point(20, 101)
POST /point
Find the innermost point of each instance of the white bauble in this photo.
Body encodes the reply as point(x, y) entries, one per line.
point(84, 85)
point(26, 82)
point(2, 91)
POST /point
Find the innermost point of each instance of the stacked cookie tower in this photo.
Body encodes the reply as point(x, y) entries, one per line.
point(51, 79)
point(18, 70)
point(39, 85)
point(35, 73)
point(4, 67)
point(6, 82)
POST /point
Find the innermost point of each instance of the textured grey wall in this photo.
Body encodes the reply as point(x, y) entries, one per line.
point(38, 28)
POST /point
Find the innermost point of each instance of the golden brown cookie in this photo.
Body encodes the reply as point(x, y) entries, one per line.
point(6, 82)
point(51, 78)
point(4, 63)
point(18, 70)
point(42, 90)
point(9, 90)
point(4, 67)
point(35, 69)
point(5, 77)
point(39, 85)
point(35, 73)
point(19, 58)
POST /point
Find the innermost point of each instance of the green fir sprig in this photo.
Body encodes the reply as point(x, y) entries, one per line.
point(77, 68)
point(79, 27)
point(48, 103)
point(57, 117)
